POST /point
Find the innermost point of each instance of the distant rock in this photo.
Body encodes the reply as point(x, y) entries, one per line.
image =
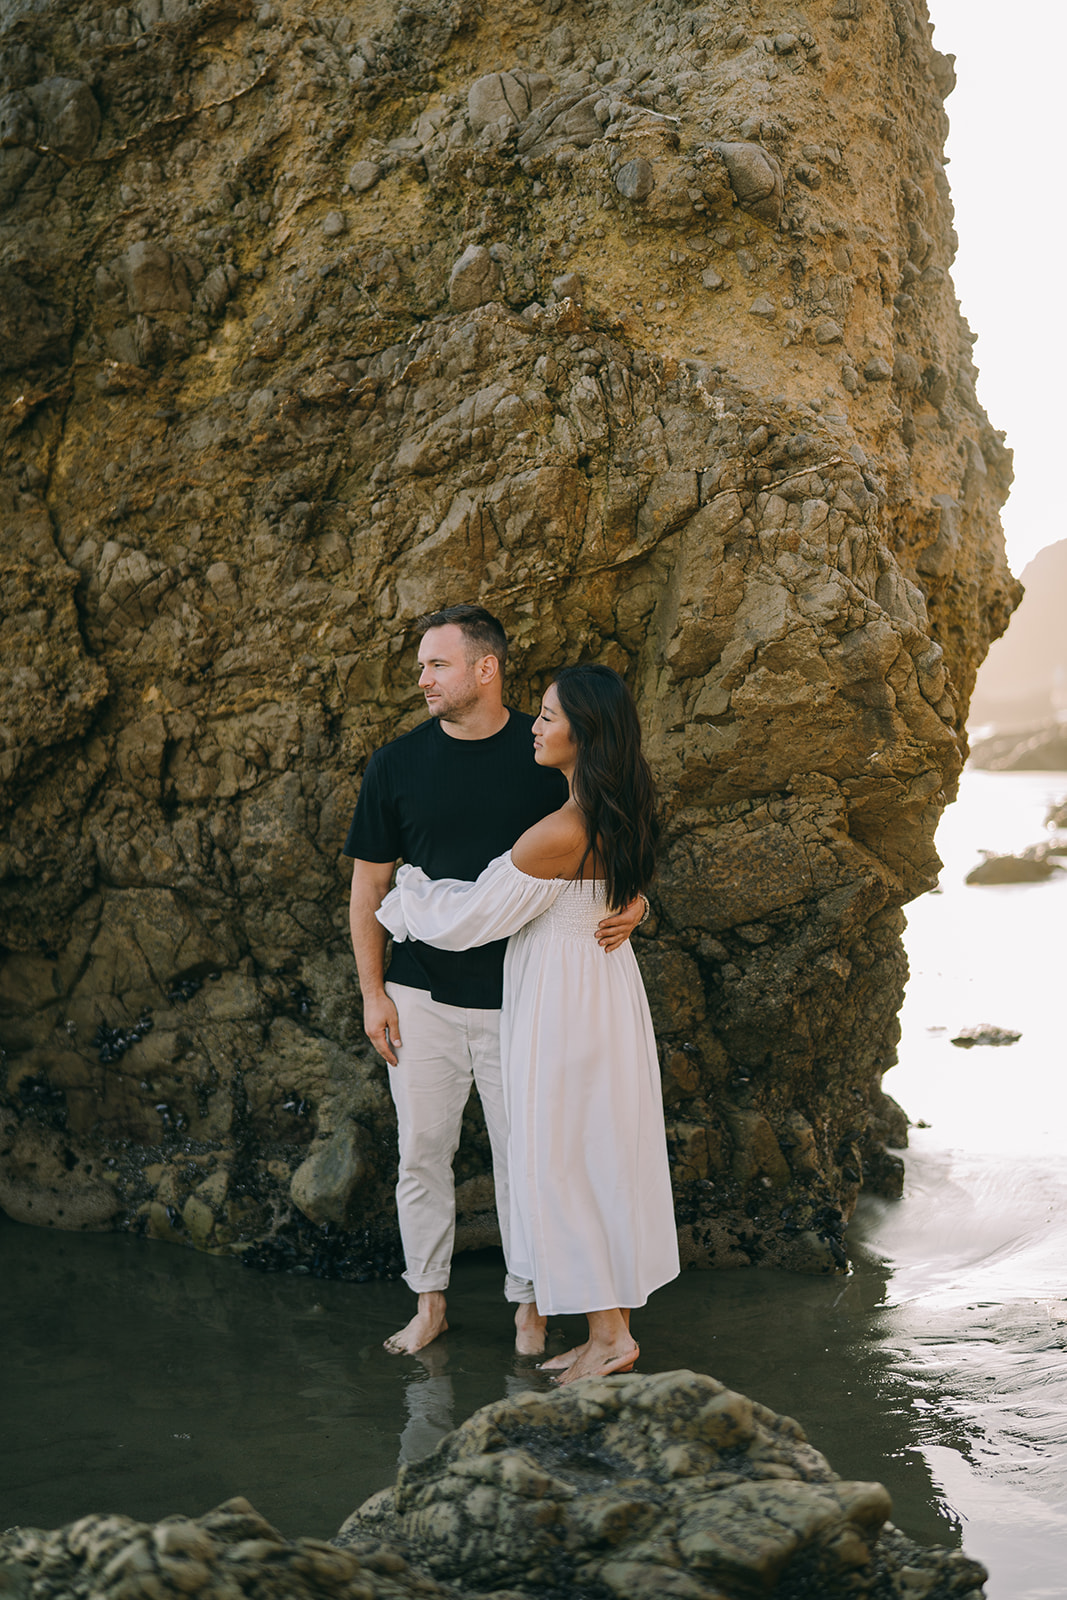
point(985, 1033)
point(33, 332)
point(363, 176)
point(567, 286)
point(877, 370)
point(60, 114)
point(566, 119)
point(1041, 748)
point(154, 279)
point(1024, 868)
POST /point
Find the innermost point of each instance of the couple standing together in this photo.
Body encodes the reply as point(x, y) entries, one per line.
point(527, 845)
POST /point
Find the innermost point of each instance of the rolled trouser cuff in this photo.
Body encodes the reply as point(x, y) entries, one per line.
point(426, 1282)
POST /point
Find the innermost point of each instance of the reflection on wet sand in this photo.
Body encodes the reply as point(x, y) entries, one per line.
point(431, 1405)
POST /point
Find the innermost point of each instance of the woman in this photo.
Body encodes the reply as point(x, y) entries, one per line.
point(592, 1216)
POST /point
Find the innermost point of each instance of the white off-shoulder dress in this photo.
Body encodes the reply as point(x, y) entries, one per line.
point(592, 1216)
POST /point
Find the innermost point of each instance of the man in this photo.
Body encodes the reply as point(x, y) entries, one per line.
point(449, 797)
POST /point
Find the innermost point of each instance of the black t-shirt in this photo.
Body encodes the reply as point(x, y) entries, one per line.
point(450, 806)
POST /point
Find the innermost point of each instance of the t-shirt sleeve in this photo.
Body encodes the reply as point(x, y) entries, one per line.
point(374, 834)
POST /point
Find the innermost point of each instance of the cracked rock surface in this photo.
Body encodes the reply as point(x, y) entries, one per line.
point(632, 322)
point(643, 1487)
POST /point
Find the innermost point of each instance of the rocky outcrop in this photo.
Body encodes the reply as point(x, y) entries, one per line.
point(632, 1487)
point(634, 324)
point(1023, 682)
point(1039, 747)
point(1032, 866)
point(985, 1033)
point(644, 1487)
point(229, 1552)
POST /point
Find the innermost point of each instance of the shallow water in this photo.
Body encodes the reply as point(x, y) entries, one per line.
point(146, 1379)
point(142, 1378)
point(976, 1309)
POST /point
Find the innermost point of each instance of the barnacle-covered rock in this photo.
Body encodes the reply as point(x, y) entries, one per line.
point(642, 1487)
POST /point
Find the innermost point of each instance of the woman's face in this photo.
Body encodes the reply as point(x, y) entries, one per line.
point(553, 745)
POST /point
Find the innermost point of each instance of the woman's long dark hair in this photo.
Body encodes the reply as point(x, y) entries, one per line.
point(612, 781)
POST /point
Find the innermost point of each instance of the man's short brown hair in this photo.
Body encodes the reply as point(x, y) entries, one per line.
point(483, 634)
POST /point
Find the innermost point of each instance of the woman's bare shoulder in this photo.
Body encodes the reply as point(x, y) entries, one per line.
point(553, 847)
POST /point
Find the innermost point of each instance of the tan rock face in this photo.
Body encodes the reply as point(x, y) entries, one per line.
point(635, 325)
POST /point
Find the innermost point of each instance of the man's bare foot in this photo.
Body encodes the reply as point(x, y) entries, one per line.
point(600, 1361)
point(530, 1328)
point(562, 1362)
point(425, 1325)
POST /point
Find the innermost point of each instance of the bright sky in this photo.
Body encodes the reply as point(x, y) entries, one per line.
point(1005, 149)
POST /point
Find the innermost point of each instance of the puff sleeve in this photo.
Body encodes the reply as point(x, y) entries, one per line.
point(453, 914)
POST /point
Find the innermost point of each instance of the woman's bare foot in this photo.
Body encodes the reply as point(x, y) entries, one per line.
point(425, 1325)
point(562, 1362)
point(530, 1328)
point(600, 1361)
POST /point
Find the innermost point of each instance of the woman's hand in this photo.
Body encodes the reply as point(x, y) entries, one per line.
point(614, 931)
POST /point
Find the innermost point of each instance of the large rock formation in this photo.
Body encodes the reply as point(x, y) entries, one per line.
point(632, 321)
point(638, 1488)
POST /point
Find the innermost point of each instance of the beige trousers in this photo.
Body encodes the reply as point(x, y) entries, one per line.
point(445, 1049)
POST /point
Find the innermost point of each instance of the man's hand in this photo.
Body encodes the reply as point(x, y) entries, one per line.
point(382, 1026)
point(614, 931)
point(370, 884)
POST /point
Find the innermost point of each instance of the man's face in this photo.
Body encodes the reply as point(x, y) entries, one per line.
point(448, 679)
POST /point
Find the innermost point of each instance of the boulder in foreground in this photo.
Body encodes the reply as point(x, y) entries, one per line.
point(646, 1487)
point(230, 1552)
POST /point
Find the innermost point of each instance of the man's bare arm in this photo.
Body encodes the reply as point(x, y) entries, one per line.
point(370, 885)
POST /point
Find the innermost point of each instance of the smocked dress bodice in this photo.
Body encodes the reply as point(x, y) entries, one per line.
point(575, 912)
